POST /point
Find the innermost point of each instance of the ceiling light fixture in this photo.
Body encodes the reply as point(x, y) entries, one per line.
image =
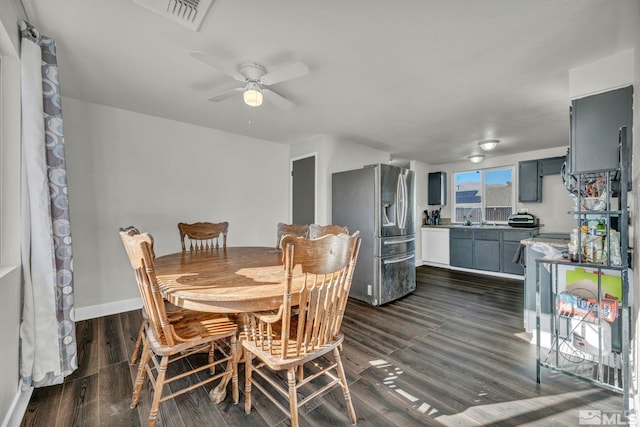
point(252, 95)
point(488, 144)
point(476, 158)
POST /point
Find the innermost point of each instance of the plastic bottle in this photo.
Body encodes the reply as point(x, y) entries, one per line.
point(573, 246)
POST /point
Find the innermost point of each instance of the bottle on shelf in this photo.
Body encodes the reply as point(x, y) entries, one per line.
point(573, 246)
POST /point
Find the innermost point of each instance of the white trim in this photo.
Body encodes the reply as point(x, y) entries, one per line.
point(488, 273)
point(5, 270)
point(107, 309)
point(315, 184)
point(17, 409)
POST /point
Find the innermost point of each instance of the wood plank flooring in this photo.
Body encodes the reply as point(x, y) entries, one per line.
point(446, 355)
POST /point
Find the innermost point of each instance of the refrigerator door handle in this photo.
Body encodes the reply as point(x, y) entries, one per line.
point(401, 199)
point(395, 242)
point(398, 201)
point(397, 260)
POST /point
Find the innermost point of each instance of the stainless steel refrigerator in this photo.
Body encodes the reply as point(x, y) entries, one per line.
point(378, 200)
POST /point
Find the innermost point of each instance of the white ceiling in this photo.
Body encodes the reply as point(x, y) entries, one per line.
point(422, 79)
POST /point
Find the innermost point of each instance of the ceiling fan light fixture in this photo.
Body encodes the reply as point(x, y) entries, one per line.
point(252, 95)
point(476, 158)
point(488, 144)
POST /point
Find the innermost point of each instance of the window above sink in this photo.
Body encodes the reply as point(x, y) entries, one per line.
point(483, 197)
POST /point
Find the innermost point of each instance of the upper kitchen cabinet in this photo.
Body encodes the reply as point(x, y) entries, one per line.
point(530, 173)
point(552, 165)
point(529, 181)
point(595, 124)
point(437, 191)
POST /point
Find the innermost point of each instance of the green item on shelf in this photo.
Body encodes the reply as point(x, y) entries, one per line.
point(611, 285)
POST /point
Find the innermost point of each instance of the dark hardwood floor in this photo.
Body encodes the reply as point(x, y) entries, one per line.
point(449, 354)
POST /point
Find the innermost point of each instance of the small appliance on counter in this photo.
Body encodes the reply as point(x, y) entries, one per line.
point(522, 219)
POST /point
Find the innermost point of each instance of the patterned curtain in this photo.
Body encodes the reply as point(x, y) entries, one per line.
point(47, 330)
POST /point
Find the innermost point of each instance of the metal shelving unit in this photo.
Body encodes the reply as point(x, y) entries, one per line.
point(589, 323)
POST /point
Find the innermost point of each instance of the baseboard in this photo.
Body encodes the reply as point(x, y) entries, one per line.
point(91, 312)
point(470, 270)
point(489, 273)
point(17, 409)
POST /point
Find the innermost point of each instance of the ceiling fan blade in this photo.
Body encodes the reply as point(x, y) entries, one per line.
point(288, 72)
point(226, 94)
point(203, 57)
point(277, 99)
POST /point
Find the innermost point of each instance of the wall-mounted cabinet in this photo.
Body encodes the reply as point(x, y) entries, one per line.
point(551, 165)
point(529, 181)
point(595, 124)
point(437, 188)
point(530, 173)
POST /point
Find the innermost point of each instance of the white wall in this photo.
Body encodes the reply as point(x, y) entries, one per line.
point(127, 168)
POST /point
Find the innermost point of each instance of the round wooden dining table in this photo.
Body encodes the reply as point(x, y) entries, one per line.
point(231, 280)
point(235, 281)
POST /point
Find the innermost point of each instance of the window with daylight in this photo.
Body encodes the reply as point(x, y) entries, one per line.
point(483, 196)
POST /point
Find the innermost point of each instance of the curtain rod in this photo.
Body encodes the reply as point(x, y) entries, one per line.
point(26, 15)
point(25, 24)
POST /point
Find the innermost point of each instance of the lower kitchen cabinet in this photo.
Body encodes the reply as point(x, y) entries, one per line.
point(510, 246)
point(486, 247)
point(460, 250)
point(489, 250)
point(507, 253)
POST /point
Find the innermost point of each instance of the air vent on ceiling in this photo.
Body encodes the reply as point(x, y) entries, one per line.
point(189, 13)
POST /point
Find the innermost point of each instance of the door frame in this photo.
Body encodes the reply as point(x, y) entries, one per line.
point(315, 184)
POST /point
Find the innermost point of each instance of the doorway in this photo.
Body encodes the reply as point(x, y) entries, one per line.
point(303, 190)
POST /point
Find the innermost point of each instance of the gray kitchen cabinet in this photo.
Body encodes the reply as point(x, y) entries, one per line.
point(529, 181)
point(486, 250)
point(461, 248)
point(486, 255)
point(530, 173)
point(551, 165)
point(437, 188)
point(507, 253)
point(510, 245)
point(595, 124)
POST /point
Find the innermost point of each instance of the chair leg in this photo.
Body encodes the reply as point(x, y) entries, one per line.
point(136, 348)
point(157, 393)
point(248, 361)
point(212, 357)
point(293, 396)
point(234, 365)
point(345, 386)
point(142, 373)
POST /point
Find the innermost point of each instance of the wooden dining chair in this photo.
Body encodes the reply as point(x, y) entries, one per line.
point(173, 312)
point(316, 230)
point(304, 344)
point(166, 341)
point(297, 230)
point(202, 236)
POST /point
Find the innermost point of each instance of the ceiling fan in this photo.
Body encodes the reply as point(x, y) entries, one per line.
point(255, 79)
